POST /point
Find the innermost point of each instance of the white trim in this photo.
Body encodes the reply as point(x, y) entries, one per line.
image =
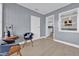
point(70, 11)
point(42, 37)
point(78, 20)
point(39, 38)
point(23, 42)
point(1, 5)
point(70, 44)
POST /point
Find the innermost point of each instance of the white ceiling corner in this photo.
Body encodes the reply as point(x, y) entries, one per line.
point(43, 8)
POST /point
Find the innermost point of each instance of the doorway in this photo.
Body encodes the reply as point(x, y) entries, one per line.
point(50, 30)
point(35, 26)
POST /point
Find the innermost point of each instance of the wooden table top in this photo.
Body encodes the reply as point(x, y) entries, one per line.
point(11, 37)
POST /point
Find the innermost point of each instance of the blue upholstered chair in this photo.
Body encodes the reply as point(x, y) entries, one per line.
point(4, 49)
point(28, 36)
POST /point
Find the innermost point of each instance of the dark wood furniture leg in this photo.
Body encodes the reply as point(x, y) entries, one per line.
point(15, 49)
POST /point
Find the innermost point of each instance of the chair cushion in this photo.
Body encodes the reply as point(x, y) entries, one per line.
point(4, 54)
point(4, 48)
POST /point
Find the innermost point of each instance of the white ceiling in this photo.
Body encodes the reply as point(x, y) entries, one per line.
point(43, 8)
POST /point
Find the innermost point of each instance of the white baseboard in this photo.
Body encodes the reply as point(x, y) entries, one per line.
point(32, 39)
point(42, 37)
point(39, 38)
point(70, 44)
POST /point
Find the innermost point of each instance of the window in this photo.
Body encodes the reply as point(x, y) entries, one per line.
point(68, 21)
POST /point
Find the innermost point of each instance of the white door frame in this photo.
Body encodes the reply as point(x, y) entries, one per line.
point(35, 24)
point(0, 20)
point(47, 25)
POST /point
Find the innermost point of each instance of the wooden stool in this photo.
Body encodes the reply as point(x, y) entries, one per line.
point(15, 49)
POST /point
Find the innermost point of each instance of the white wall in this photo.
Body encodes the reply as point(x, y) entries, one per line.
point(20, 18)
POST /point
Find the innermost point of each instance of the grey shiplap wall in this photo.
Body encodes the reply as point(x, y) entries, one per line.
point(20, 17)
point(65, 36)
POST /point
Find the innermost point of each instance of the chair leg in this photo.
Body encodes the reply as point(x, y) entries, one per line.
point(25, 43)
point(32, 42)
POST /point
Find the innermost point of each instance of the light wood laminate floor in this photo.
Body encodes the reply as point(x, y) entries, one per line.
point(48, 47)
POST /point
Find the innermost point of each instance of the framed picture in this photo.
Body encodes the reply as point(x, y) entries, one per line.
point(68, 21)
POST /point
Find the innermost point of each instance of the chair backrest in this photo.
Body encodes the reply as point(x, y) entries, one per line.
point(4, 48)
point(28, 35)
